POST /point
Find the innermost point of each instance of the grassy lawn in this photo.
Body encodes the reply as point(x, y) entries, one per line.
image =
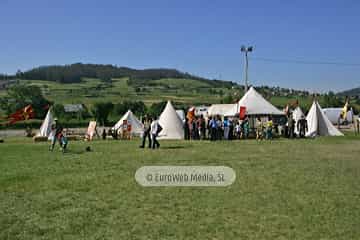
point(301, 189)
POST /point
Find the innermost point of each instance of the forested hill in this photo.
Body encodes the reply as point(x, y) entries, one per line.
point(351, 92)
point(75, 72)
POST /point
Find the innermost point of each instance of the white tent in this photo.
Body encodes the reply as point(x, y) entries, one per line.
point(181, 114)
point(137, 127)
point(172, 126)
point(297, 114)
point(45, 129)
point(334, 113)
point(255, 105)
point(319, 124)
point(220, 109)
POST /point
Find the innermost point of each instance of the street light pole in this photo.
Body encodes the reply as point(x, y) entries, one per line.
point(246, 50)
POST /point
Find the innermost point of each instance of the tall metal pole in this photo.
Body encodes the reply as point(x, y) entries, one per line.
point(246, 50)
point(246, 71)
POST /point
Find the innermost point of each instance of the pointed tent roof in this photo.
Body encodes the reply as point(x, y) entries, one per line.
point(297, 114)
point(319, 124)
point(136, 126)
point(45, 129)
point(257, 105)
point(172, 126)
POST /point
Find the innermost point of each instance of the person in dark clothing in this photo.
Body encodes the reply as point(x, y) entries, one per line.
point(112, 133)
point(186, 129)
point(104, 134)
point(291, 126)
point(302, 126)
point(155, 129)
point(231, 129)
point(220, 130)
point(194, 130)
point(146, 134)
point(213, 129)
point(202, 127)
point(63, 141)
point(245, 129)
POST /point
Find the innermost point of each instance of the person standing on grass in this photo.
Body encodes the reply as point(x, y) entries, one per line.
point(208, 127)
point(291, 126)
point(302, 126)
point(269, 129)
point(194, 129)
point(201, 124)
point(104, 134)
point(231, 129)
point(237, 130)
point(186, 129)
point(226, 128)
point(259, 129)
point(155, 129)
point(146, 133)
point(213, 129)
point(246, 128)
point(219, 130)
point(56, 128)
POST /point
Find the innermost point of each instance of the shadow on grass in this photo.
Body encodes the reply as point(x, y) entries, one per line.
point(77, 151)
point(174, 147)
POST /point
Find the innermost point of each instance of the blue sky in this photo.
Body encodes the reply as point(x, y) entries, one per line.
point(198, 36)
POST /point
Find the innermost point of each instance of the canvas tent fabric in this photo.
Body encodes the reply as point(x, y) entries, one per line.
point(45, 129)
point(181, 114)
point(334, 113)
point(297, 114)
point(201, 110)
point(137, 127)
point(220, 109)
point(255, 105)
point(319, 124)
point(172, 126)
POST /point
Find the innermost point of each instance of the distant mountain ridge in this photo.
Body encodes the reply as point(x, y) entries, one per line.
point(351, 92)
point(73, 73)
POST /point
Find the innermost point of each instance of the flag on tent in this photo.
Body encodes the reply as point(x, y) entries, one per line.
point(345, 110)
point(22, 114)
point(242, 112)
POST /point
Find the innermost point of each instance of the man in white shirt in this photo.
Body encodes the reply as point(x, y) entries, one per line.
point(154, 132)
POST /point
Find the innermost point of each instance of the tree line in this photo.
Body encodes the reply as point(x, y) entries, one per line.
point(73, 73)
point(18, 96)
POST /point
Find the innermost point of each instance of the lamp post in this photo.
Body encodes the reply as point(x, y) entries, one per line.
point(246, 50)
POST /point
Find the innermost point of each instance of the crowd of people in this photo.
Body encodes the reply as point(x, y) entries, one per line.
point(216, 128)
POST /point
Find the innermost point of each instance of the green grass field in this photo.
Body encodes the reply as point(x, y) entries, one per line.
point(300, 189)
point(94, 90)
